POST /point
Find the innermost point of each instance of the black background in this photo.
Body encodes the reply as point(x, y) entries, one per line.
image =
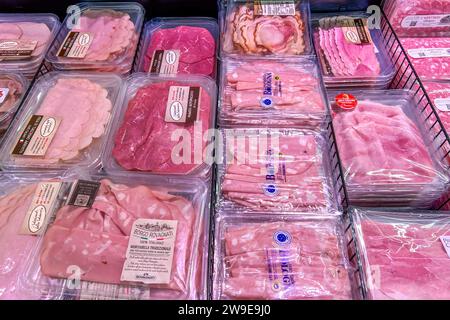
point(170, 8)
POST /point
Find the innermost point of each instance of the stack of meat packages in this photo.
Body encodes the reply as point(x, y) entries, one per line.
point(278, 226)
point(139, 230)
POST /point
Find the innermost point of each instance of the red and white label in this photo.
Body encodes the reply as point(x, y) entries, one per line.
point(346, 101)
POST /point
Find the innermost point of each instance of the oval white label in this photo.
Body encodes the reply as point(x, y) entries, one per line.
point(84, 39)
point(171, 57)
point(176, 110)
point(48, 127)
point(8, 45)
point(37, 218)
point(351, 36)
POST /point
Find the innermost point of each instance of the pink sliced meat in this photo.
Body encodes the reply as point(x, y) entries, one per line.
point(32, 31)
point(405, 257)
point(143, 141)
point(431, 67)
point(397, 152)
point(196, 45)
point(283, 260)
point(278, 174)
point(96, 239)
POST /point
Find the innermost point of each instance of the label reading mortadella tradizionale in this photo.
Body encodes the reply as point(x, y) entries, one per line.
point(182, 104)
point(165, 61)
point(150, 250)
point(75, 45)
point(40, 209)
point(37, 136)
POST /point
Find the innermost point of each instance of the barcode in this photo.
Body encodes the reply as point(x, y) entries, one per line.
point(82, 200)
point(413, 23)
point(422, 54)
point(104, 291)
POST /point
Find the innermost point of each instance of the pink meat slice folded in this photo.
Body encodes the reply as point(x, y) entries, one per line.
point(143, 141)
point(13, 258)
point(284, 260)
point(197, 48)
point(397, 152)
point(296, 181)
point(96, 239)
point(406, 260)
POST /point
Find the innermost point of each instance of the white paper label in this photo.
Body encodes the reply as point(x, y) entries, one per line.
point(105, 291)
point(426, 21)
point(446, 243)
point(182, 104)
point(442, 104)
point(274, 8)
point(429, 53)
point(150, 251)
point(3, 94)
point(75, 45)
point(39, 211)
point(165, 61)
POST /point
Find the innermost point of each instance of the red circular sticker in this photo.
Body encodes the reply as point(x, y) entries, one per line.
point(346, 101)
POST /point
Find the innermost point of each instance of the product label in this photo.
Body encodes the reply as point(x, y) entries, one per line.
point(40, 209)
point(274, 7)
point(3, 94)
point(150, 251)
point(165, 61)
point(271, 88)
point(275, 171)
point(442, 104)
point(75, 45)
point(105, 291)
point(446, 243)
point(346, 101)
point(355, 30)
point(83, 193)
point(37, 136)
point(278, 261)
point(16, 49)
point(429, 53)
point(182, 105)
point(426, 21)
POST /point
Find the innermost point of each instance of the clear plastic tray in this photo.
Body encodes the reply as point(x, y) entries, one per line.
point(402, 255)
point(118, 62)
point(164, 28)
point(158, 138)
point(108, 94)
point(88, 263)
point(9, 107)
point(30, 66)
point(227, 11)
point(275, 171)
point(387, 154)
point(16, 194)
point(269, 92)
point(283, 257)
point(350, 77)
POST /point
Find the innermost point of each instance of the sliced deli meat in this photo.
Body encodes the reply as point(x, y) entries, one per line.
point(151, 138)
point(404, 254)
point(271, 92)
point(247, 32)
point(194, 47)
point(96, 239)
point(274, 171)
point(290, 259)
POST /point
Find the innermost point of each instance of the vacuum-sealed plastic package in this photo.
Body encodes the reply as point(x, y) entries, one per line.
point(272, 29)
point(430, 56)
point(439, 93)
point(284, 257)
point(403, 254)
point(12, 90)
point(64, 122)
point(121, 237)
point(179, 46)
point(387, 155)
point(418, 17)
point(351, 52)
point(262, 92)
point(24, 40)
point(27, 202)
point(101, 36)
point(275, 170)
point(164, 126)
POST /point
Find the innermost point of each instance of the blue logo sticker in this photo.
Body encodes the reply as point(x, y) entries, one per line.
point(266, 102)
point(270, 190)
point(282, 238)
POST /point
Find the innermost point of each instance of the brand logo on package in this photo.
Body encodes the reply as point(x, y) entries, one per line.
point(282, 238)
point(346, 101)
point(182, 104)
